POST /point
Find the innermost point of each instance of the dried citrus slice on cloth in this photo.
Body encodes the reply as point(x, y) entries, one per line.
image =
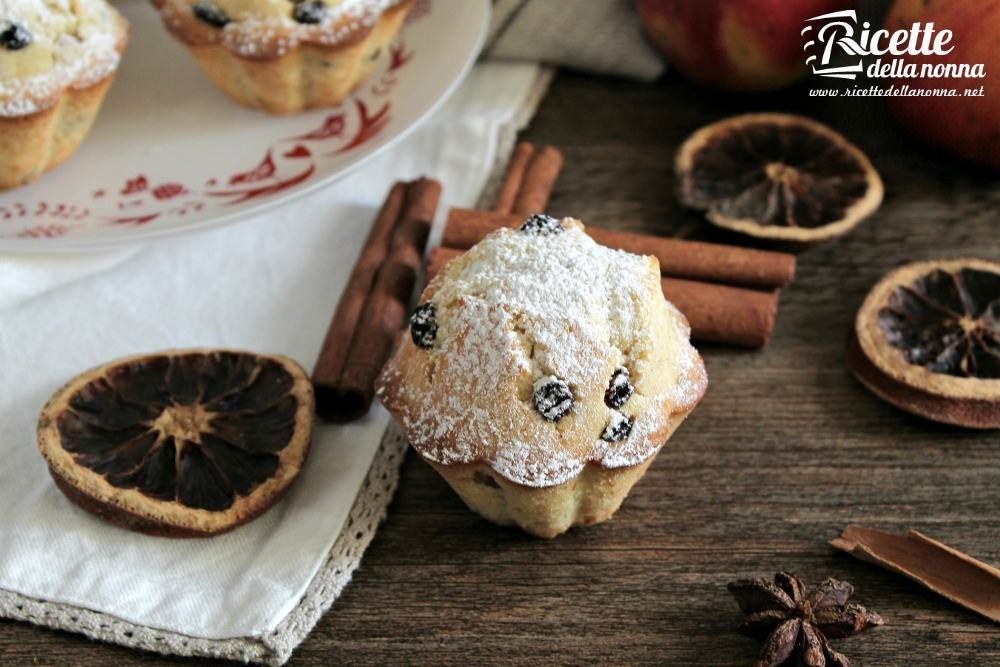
point(181, 443)
point(927, 340)
point(777, 177)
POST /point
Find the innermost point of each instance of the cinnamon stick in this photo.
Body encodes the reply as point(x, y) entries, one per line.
point(333, 353)
point(716, 313)
point(539, 181)
point(936, 566)
point(374, 305)
point(724, 314)
point(514, 177)
point(691, 260)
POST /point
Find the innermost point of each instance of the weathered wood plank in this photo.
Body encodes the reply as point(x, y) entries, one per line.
point(785, 450)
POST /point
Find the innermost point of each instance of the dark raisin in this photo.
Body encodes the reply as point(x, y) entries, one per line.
point(553, 398)
point(15, 37)
point(619, 389)
point(310, 11)
point(423, 326)
point(210, 14)
point(542, 225)
point(618, 428)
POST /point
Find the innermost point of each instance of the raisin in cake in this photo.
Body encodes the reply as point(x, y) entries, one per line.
point(541, 375)
point(284, 56)
point(57, 60)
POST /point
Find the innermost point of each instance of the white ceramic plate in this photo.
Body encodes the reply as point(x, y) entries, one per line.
point(169, 153)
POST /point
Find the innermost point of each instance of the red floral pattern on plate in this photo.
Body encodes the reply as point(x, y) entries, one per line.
point(285, 163)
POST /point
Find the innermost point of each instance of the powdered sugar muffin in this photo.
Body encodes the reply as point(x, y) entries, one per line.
point(57, 60)
point(541, 375)
point(284, 56)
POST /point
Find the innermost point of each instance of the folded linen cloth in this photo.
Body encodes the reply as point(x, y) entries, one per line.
point(28, 275)
point(600, 36)
point(268, 284)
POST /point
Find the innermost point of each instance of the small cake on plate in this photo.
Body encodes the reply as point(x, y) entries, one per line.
point(57, 60)
point(285, 56)
point(542, 373)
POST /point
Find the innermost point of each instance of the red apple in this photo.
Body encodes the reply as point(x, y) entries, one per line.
point(968, 126)
point(744, 45)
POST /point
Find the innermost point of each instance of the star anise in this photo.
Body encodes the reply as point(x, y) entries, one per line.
point(948, 322)
point(798, 624)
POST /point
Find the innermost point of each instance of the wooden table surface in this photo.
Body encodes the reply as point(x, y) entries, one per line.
point(785, 450)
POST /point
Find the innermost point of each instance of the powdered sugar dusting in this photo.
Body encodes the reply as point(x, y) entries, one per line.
point(520, 311)
point(74, 43)
point(268, 29)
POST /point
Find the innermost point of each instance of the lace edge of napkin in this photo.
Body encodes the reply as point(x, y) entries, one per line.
point(276, 647)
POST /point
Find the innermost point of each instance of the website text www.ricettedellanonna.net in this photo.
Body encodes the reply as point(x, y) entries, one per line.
point(894, 90)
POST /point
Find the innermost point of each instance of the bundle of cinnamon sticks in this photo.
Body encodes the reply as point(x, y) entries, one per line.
point(729, 294)
point(376, 302)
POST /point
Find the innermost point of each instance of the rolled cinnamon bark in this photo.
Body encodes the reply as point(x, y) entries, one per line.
point(374, 305)
point(514, 177)
point(692, 260)
point(343, 324)
point(723, 314)
point(716, 313)
point(539, 181)
point(384, 316)
point(932, 564)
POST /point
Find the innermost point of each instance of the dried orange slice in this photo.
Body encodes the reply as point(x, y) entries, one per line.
point(182, 443)
point(927, 340)
point(777, 177)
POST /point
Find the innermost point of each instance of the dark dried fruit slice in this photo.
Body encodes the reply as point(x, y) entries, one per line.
point(927, 340)
point(777, 177)
point(184, 443)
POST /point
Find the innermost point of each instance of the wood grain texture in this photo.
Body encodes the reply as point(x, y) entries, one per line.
point(786, 449)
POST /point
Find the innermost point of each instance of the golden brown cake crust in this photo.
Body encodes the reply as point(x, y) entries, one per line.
point(287, 67)
point(52, 97)
point(263, 35)
point(31, 145)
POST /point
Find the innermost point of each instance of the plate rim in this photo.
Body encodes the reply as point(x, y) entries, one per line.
point(87, 245)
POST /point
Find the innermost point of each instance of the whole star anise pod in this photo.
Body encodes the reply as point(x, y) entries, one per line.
point(799, 624)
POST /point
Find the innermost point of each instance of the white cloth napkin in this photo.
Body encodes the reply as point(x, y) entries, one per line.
point(23, 276)
point(267, 284)
point(602, 36)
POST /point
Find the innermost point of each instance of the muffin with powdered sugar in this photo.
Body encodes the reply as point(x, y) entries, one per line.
point(542, 373)
point(57, 61)
point(284, 56)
